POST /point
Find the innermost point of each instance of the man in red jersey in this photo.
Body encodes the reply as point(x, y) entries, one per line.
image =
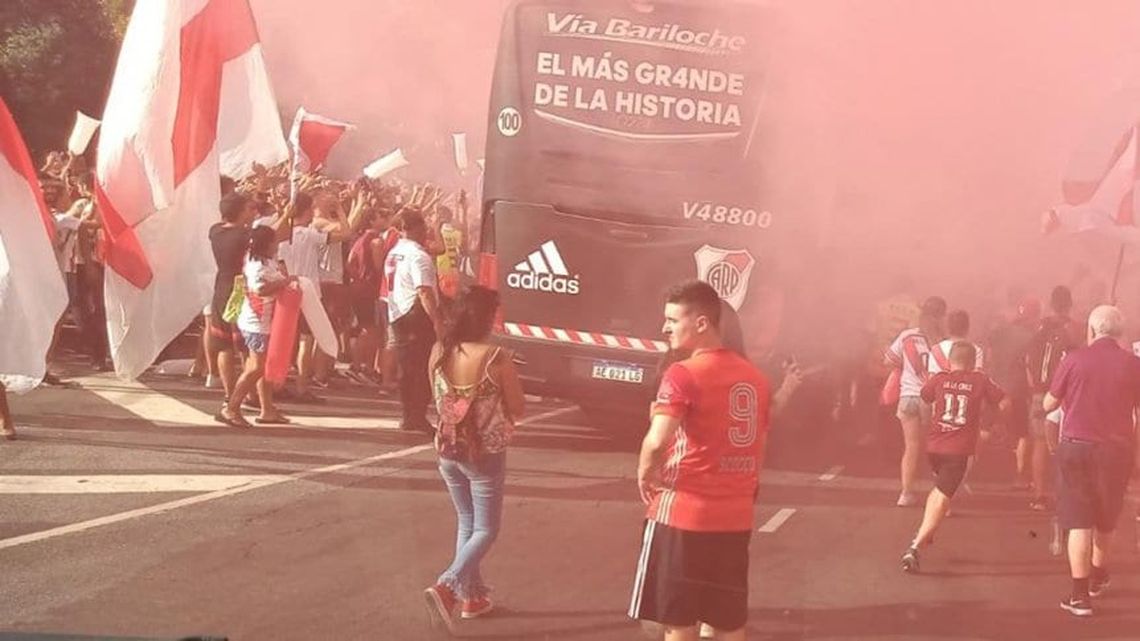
point(958, 396)
point(698, 474)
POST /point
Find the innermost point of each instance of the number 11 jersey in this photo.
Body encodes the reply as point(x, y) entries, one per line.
point(710, 478)
point(958, 398)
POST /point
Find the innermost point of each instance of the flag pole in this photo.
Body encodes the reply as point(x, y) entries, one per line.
point(1116, 274)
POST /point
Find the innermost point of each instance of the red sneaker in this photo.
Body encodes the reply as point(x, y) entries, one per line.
point(441, 603)
point(476, 608)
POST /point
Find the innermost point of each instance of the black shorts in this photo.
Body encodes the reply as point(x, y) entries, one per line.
point(688, 577)
point(364, 305)
point(1092, 483)
point(949, 471)
point(338, 305)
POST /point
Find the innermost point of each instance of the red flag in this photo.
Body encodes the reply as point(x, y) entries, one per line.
point(312, 138)
point(32, 292)
point(1099, 184)
point(190, 100)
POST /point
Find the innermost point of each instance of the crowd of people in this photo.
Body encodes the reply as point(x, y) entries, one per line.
point(389, 261)
point(348, 239)
point(1061, 397)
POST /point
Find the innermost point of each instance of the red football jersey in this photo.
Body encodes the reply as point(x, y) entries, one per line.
point(712, 471)
point(958, 398)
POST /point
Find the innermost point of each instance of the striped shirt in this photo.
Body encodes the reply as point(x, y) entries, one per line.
point(911, 353)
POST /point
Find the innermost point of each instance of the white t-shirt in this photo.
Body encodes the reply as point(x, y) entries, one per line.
point(67, 240)
point(332, 263)
point(256, 315)
point(302, 257)
point(910, 352)
point(407, 268)
point(941, 353)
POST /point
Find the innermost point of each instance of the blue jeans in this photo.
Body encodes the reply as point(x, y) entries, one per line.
point(477, 491)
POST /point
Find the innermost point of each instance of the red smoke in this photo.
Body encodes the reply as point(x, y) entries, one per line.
point(920, 137)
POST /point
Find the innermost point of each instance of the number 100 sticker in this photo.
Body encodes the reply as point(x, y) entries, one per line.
point(509, 121)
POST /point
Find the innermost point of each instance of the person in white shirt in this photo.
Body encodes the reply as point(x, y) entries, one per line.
point(413, 310)
point(263, 281)
point(69, 218)
point(302, 258)
point(910, 352)
point(329, 215)
point(957, 331)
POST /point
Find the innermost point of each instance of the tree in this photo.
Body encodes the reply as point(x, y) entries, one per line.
point(57, 56)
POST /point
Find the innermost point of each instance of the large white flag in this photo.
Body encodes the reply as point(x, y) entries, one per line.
point(32, 292)
point(1099, 185)
point(190, 100)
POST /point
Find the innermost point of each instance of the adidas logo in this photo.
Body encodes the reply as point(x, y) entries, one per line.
point(544, 271)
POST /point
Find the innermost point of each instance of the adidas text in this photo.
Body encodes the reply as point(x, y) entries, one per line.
point(544, 283)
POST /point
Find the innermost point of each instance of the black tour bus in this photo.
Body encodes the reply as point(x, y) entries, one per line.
point(622, 157)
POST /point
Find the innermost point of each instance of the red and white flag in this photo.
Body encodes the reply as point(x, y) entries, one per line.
point(190, 100)
point(33, 295)
point(312, 138)
point(1100, 183)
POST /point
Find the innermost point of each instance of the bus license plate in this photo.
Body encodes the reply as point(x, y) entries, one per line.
point(622, 372)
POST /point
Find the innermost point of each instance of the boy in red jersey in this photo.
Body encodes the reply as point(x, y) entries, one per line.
point(698, 474)
point(958, 396)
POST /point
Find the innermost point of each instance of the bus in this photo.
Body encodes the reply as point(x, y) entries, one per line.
point(623, 155)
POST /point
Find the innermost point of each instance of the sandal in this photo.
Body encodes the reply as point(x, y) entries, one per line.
point(232, 421)
point(275, 420)
point(52, 380)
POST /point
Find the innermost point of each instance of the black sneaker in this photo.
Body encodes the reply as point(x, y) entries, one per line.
point(1097, 587)
point(910, 561)
point(1077, 607)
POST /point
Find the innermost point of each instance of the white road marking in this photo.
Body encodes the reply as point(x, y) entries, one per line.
point(128, 483)
point(538, 418)
point(831, 474)
point(778, 519)
point(253, 483)
point(203, 498)
point(146, 403)
point(338, 423)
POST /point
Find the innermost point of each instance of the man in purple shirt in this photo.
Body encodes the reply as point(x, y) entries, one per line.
point(1098, 386)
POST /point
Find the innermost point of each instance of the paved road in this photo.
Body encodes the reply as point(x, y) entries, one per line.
point(125, 511)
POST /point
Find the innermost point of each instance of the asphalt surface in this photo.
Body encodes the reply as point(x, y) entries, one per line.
point(124, 511)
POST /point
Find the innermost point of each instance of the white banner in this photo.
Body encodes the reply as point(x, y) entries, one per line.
point(386, 165)
point(82, 133)
point(460, 142)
